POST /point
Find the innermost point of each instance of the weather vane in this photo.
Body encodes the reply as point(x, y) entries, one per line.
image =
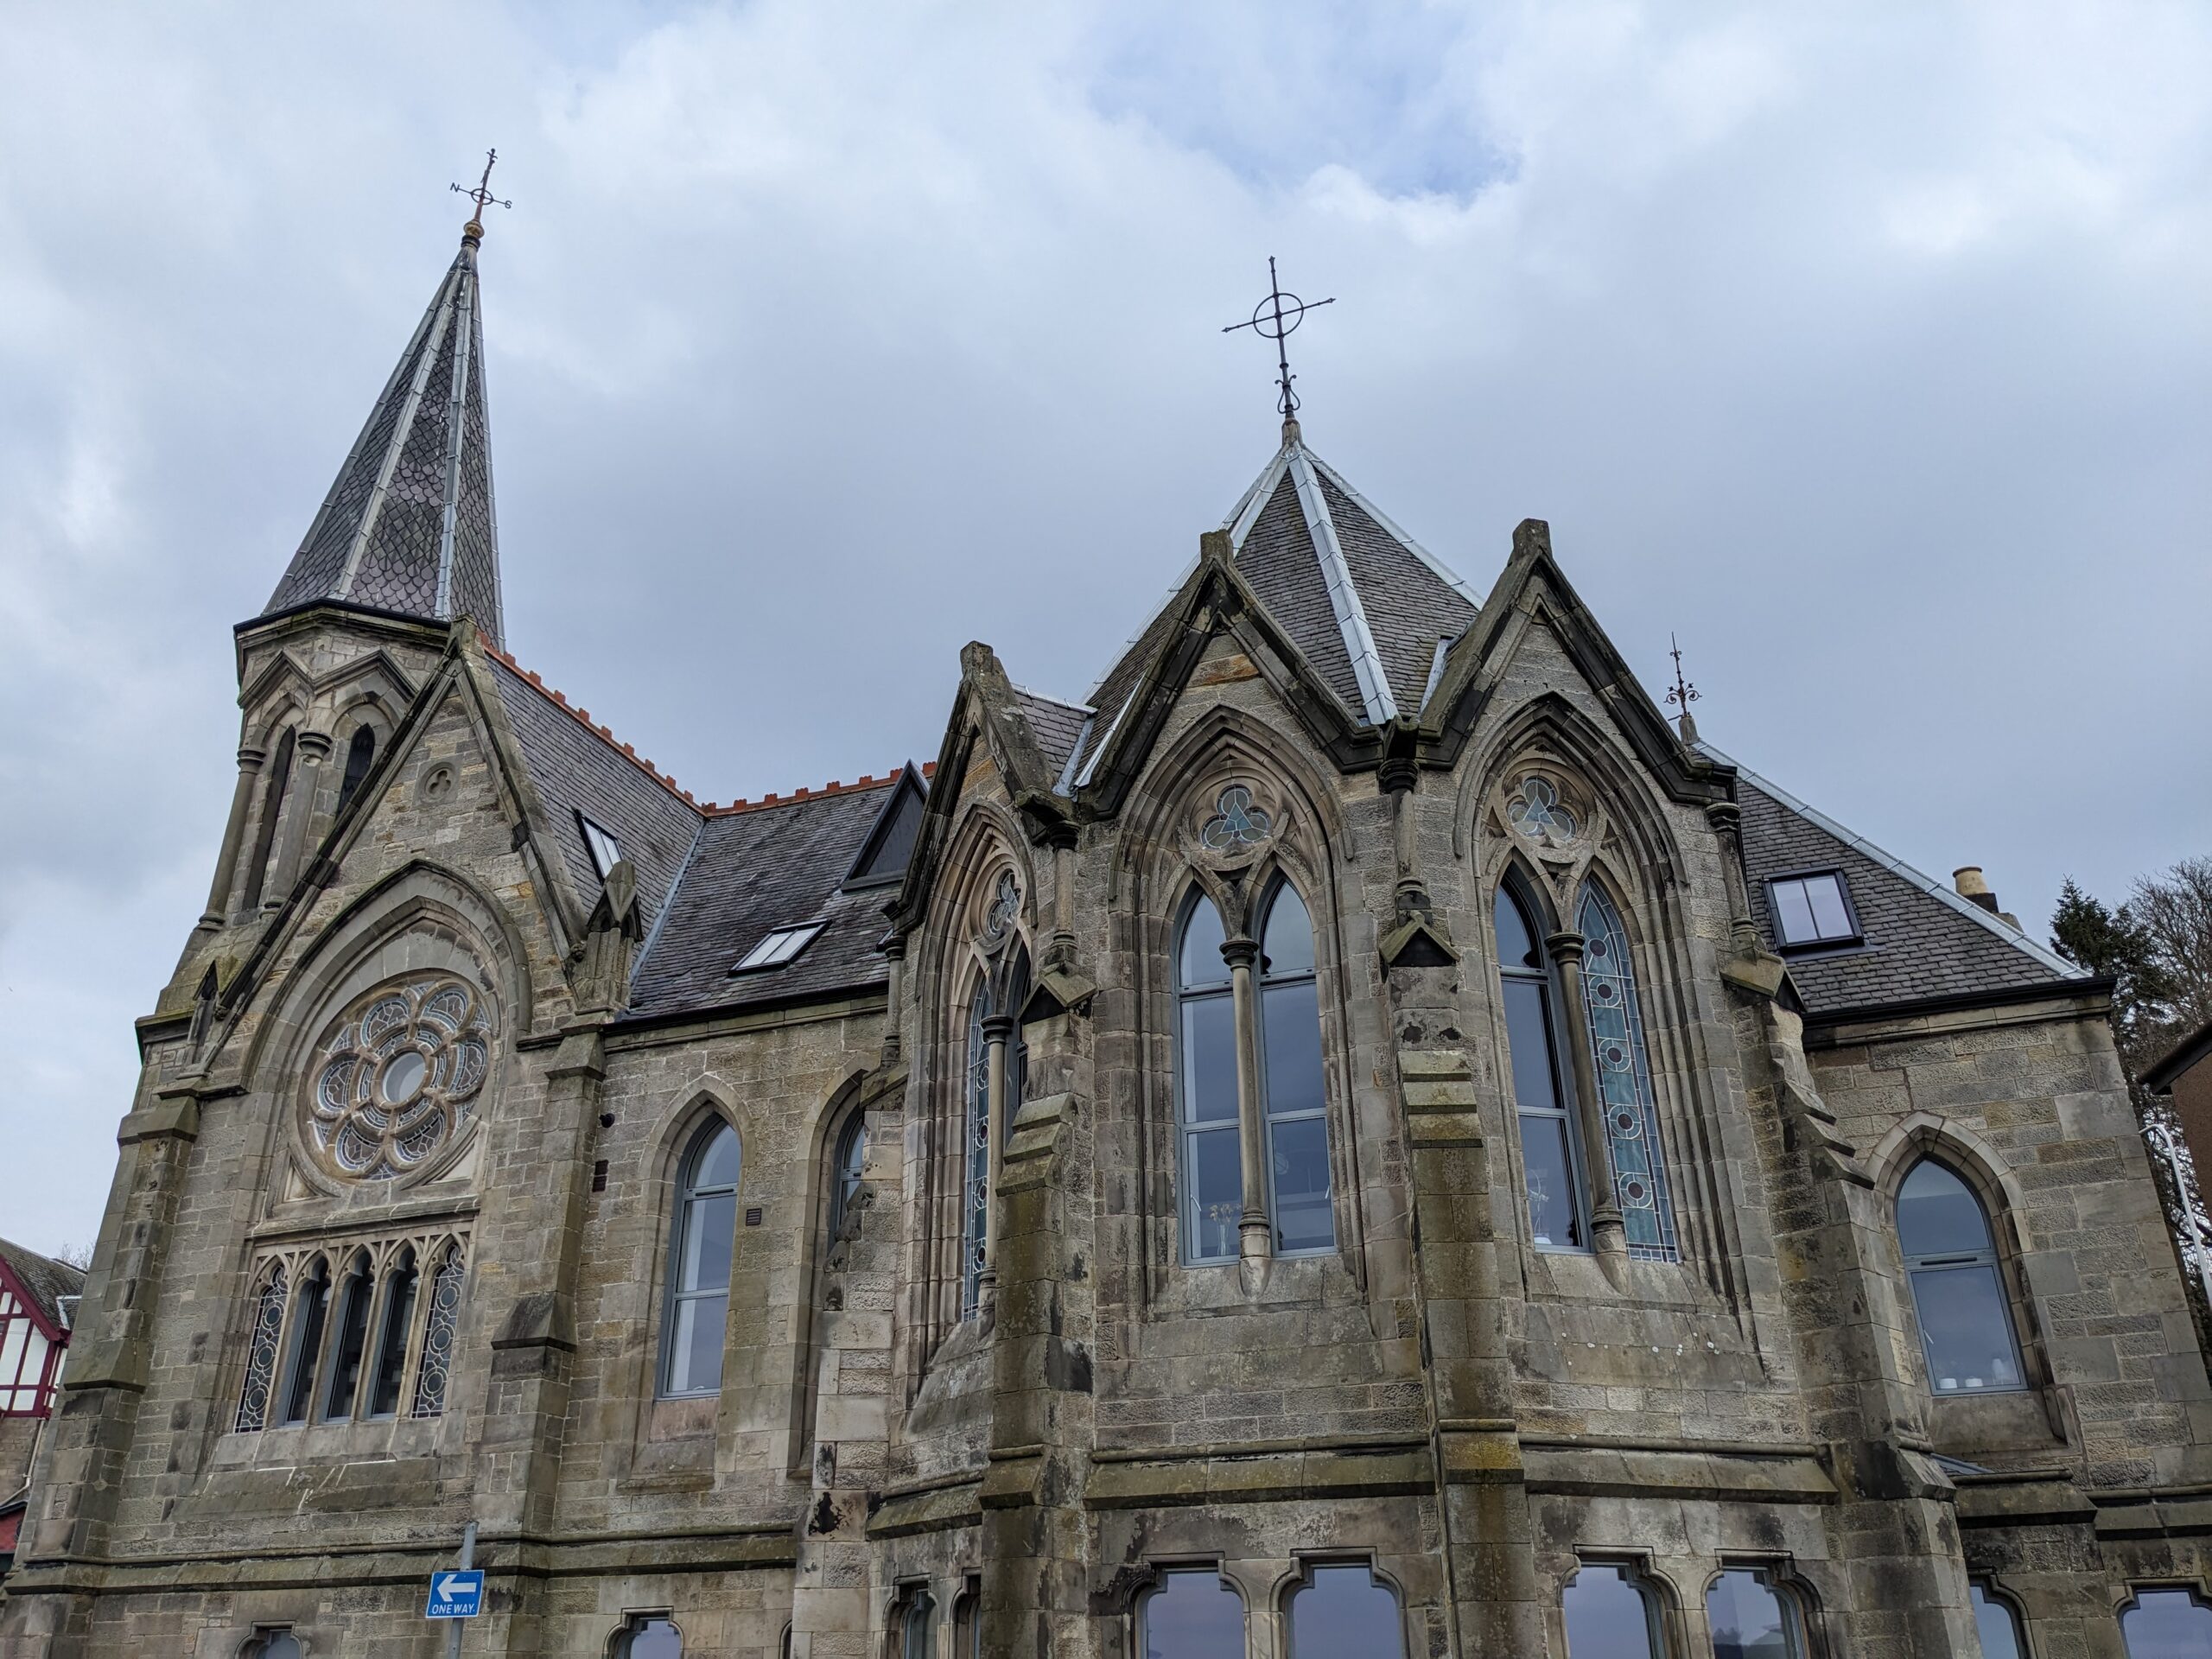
point(482, 196)
point(1273, 318)
point(1683, 693)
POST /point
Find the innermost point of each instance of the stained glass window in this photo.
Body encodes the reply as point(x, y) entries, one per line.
point(436, 1371)
point(1958, 1291)
point(1624, 1071)
point(261, 1353)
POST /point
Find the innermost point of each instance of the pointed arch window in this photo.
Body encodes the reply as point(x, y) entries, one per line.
point(306, 1343)
point(847, 1166)
point(1623, 1072)
point(1958, 1287)
point(272, 807)
point(976, 1200)
point(434, 1374)
point(1551, 1154)
point(702, 1240)
point(1291, 1107)
point(261, 1350)
point(351, 1341)
point(393, 1333)
point(361, 755)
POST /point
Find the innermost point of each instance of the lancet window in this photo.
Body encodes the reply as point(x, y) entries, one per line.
point(1551, 1156)
point(360, 754)
point(1958, 1287)
point(984, 1007)
point(702, 1240)
point(355, 1350)
point(1623, 1065)
point(1276, 1106)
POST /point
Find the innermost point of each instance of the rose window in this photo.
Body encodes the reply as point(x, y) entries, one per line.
point(399, 1076)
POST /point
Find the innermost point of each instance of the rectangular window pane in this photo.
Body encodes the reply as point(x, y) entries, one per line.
point(1964, 1323)
point(1209, 1060)
point(1216, 1172)
point(1290, 1022)
point(1831, 920)
point(695, 1348)
point(1528, 1032)
point(1552, 1217)
point(708, 1233)
point(1299, 1154)
point(1793, 913)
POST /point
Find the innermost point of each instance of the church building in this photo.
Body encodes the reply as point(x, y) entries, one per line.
point(1354, 1134)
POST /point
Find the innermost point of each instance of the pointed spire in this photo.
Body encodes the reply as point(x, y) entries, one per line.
point(408, 527)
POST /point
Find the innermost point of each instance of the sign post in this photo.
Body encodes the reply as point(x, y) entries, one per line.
point(459, 1594)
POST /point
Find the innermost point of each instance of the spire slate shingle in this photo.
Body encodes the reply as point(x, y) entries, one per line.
point(408, 526)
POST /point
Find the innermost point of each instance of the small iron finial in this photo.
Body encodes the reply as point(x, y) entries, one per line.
point(1273, 318)
point(482, 196)
point(1682, 695)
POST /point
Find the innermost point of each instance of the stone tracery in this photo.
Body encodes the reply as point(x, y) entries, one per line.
point(398, 1077)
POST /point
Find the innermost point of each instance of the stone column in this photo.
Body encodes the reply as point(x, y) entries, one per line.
point(1396, 780)
point(998, 1028)
point(1728, 822)
point(895, 997)
point(1255, 1232)
point(1607, 1234)
point(300, 809)
point(227, 861)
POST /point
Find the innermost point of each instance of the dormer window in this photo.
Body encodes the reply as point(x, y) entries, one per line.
point(1812, 909)
point(778, 947)
point(606, 851)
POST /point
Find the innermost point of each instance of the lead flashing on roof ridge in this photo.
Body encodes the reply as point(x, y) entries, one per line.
point(1437, 568)
point(2017, 938)
point(1343, 597)
point(1254, 501)
point(1091, 765)
point(1065, 783)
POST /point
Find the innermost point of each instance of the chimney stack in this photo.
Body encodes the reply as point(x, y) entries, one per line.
point(1969, 883)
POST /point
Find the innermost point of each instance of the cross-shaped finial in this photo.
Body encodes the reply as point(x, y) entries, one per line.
point(1683, 693)
point(482, 196)
point(1273, 319)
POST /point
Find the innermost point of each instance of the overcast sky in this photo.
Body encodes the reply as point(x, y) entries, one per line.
point(1869, 349)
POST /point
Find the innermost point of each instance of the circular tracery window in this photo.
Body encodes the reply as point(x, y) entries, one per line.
point(397, 1076)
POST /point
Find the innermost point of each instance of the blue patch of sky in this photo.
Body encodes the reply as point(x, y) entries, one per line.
point(1275, 94)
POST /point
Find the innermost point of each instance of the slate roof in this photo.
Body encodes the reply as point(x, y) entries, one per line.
point(46, 1281)
point(1361, 600)
point(408, 526)
point(757, 869)
point(1056, 726)
point(1922, 939)
point(580, 769)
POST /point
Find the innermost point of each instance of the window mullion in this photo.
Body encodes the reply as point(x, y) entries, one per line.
point(1255, 1231)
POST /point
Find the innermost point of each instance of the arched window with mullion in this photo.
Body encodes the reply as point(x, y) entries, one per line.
point(702, 1240)
point(976, 1199)
point(1292, 1079)
point(1551, 1160)
point(1205, 1088)
point(1623, 1066)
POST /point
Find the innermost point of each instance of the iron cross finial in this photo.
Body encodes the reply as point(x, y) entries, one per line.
point(1683, 693)
point(482, 196)
point(1273, 318)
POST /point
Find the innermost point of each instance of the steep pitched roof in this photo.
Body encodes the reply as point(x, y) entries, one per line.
point(1921, 940)
point(408, 526)
point(46, 1283)
point(1364, 602)
point(755, 869)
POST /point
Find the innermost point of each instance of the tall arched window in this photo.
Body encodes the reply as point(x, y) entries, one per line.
point(1998, 1626)
point(1624, 1070)
point(434, 1371)
point(1753, 1617)
point(1205, 1076)
point(918, 1630)
point(306, 1343)
point(2167, 1624)
point(847, 1165)
point(393, 1331)
point(1292, 1079)
point(273, 808)
point(360, 754)
point(261, 1351)
point(976, 1205)
point(1345, 1610)
point(1190, 1615)
point(1611, 1614)
point(1550, 1157)
point(1958, 1290)
point(351, 1341)
point(702, 1239)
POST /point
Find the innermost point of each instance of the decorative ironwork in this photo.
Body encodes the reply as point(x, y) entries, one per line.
point(261, 1354)
point(1683, 693)
point(1625, 1081)
point(1538, 812)
point(1240, 822)
point(1276, 318)
point(435, 1368)
point(481, 196)
point(397, 1078)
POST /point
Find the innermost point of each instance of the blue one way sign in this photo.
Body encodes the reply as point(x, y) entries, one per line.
point(456, 1595)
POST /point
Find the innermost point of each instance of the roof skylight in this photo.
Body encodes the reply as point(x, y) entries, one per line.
point(1813, 910)
point(606, 851)
point(778, 947)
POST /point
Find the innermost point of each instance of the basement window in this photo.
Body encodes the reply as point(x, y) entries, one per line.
point(1812, 909)
point(606, 851)
point(778, 947)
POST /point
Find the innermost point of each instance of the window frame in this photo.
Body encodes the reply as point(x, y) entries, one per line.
point(845, 1184)
point(1262, 982)
point(307, 1321)
point(1637, 1574)
point(1983, 1591)
point(1513, 887)
point(1140, 1609)
point(1787, 946)
point(1991, 1257)
point(593, 834)
point(1187, 1133)
point(1303, 1581)
point(767, 953)
point(2192, 1589)
point(1796, 1606)
point(688, 1196)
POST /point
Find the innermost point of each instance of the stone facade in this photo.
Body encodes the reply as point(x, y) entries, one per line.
point(992, 1386)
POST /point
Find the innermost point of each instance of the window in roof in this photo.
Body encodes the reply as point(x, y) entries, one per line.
point(606, 851)
point(1814, 909)
point(778, 947)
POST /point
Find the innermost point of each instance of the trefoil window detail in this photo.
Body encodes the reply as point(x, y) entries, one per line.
point(1624, 1071)
point(1239, 824)
point(1534, 809)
